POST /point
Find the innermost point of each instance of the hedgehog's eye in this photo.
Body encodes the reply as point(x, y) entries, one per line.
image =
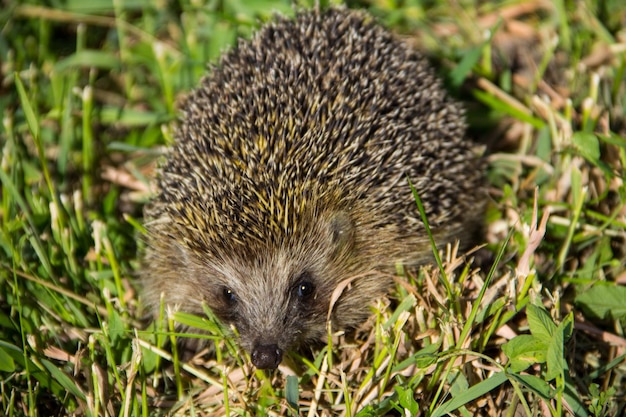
point(304, 289)
point(229, 295)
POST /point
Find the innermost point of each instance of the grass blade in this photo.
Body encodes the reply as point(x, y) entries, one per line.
point(471, 394)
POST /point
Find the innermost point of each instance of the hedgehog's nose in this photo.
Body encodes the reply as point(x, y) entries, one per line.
point(266, 356)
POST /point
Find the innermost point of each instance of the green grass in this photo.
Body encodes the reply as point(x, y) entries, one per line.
point(534, 325)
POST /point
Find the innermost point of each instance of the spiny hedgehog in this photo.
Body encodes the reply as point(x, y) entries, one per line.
point(289, 176)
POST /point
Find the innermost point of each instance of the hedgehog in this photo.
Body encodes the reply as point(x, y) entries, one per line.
point(284, 202)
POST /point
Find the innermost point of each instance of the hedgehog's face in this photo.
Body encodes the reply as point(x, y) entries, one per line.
point(274, 314)
point(279, 298)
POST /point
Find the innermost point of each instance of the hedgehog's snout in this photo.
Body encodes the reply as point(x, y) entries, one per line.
point(266, 356)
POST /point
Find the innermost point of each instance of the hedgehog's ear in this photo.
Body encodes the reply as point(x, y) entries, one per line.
point(342, 230)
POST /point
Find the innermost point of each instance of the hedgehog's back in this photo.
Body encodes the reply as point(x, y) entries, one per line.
point(326, 104)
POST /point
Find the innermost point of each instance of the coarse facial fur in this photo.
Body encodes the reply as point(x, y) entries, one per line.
point(289, 177)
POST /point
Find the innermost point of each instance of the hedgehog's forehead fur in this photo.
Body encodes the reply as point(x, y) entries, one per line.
point(306, 116)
